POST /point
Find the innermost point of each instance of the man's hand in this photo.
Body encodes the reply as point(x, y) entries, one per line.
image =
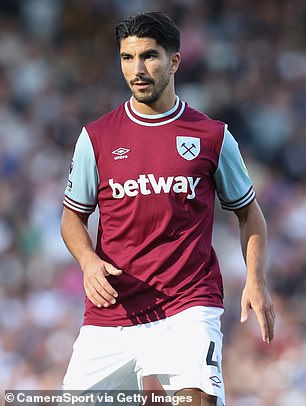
point(256, 296)
point(77, 239)
point(97, 287)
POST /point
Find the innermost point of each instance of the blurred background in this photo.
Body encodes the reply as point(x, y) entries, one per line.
point(244, 62)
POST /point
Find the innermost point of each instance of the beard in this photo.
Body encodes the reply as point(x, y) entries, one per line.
point(151, 95)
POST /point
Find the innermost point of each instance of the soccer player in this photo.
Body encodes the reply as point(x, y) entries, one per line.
point(153, 285)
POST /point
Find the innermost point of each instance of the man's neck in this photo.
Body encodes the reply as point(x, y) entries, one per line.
point(154, 108)
point(158, 107)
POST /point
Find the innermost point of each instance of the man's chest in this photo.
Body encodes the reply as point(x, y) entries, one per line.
point(148, 155)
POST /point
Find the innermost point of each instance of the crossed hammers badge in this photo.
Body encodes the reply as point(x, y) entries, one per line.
point(188, 147)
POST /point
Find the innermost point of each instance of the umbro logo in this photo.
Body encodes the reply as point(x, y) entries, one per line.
point(120, 153)
point(215, 381)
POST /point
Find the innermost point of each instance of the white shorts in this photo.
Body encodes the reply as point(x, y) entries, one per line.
point(184, 351)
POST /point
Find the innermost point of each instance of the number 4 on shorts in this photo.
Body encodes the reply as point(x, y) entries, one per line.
point(210, 353)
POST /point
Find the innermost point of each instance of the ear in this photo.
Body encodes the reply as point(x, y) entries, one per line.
point(175, 60)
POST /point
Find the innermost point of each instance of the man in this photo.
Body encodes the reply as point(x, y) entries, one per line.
point(153, 284)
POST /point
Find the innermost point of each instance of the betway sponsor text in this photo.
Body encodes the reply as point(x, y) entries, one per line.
point(147, 184)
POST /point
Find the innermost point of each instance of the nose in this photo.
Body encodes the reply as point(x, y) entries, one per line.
point(139, 67)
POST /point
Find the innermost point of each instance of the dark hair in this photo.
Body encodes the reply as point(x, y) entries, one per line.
point(154, 25)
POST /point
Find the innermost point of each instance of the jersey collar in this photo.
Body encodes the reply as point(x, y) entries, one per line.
point(156, 119)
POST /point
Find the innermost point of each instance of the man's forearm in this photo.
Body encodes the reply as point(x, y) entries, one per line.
point(253, 236)
point(255, 295)
point(76, 237)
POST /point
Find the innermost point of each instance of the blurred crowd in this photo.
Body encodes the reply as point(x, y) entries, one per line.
point(244, 62)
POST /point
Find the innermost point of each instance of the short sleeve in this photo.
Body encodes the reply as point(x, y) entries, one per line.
point(83, 181)
point(233, 185)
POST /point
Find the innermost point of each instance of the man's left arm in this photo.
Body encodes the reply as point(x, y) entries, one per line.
point(255, 295)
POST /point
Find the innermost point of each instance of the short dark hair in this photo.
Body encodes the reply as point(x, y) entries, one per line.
point(154, 25)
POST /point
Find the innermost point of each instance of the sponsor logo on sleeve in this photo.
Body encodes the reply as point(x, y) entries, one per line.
point(71, 166)
point(69, 185)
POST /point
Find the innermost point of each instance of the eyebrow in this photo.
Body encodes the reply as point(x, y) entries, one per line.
point(151, 51)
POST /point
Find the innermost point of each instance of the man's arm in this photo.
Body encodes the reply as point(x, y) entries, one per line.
point(255, 295)
point(75, 235)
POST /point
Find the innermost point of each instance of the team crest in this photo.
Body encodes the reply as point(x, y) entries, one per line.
point(188, 147)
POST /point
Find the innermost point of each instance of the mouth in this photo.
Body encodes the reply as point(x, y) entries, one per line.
point(141, 85)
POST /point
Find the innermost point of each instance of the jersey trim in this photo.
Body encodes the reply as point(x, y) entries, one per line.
point(155, 119)
point(155, 116)
point(78, 207)
point(238, 204)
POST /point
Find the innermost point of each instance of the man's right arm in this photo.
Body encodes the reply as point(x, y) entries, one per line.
point(77, 239)
point(80, 201)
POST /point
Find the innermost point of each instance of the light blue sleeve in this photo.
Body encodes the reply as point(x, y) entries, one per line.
point(82, 188)
point(233, 185)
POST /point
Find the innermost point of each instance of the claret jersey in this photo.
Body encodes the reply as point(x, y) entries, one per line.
point(154, 179)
